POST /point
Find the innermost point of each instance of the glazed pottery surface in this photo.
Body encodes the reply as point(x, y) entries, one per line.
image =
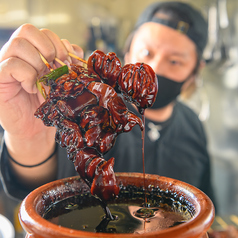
point(36, 203)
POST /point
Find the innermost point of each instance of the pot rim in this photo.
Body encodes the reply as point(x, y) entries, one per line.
point(201, 220)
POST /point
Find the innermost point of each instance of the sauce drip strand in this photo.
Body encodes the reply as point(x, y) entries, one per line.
point(145, 211)
point(143, 156)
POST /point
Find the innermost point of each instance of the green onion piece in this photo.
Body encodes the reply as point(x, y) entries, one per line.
point(40, 88)
point(53, 75)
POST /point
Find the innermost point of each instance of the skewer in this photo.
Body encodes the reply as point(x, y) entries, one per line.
point(45, 62)
point(41, 89)
point(62, 69)
point(222, 223)
point(59, 61)
point(38, 84)
point(48, 65)
point(234, 219)
point(78, 58)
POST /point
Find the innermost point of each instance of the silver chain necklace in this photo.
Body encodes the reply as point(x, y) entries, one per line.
point(154, 132)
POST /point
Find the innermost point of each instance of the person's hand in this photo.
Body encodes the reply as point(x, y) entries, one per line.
point(20, 66)
point(28, 141)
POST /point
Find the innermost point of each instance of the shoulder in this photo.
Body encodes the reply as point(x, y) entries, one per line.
point(184, 110)
point(186, 126)
point(186, 141)
point(187, 117)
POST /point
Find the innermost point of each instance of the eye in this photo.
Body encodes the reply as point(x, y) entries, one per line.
point(175, 62)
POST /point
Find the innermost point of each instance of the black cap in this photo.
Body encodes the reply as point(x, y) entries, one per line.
point(181, 17)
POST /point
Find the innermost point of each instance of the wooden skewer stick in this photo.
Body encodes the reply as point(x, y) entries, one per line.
point(59, 61)
point(78, 58)
point(221, 222)
point(38, 84)
point(45, 62)
point(234, 219)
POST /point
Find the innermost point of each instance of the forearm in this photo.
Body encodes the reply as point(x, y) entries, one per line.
point(33, 151)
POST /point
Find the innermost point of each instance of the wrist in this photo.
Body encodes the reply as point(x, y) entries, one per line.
point(31, 150)
point(35, 165)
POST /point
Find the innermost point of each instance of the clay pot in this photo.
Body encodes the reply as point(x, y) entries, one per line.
point(34, 205)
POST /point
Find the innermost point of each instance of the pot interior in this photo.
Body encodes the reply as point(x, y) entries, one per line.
point(168, 205)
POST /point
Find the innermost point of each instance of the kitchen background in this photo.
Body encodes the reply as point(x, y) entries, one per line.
point(105, 24)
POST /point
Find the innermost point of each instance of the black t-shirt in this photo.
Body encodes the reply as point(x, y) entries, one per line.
point(180, 152)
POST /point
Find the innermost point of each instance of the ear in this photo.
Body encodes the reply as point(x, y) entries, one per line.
point(191, 80)
point(202, 65)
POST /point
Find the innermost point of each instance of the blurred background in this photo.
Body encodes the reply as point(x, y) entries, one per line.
point(105, 24)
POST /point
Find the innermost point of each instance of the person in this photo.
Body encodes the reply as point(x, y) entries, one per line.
point(170, 37)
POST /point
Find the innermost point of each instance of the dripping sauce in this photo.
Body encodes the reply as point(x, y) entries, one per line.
point(143, 155)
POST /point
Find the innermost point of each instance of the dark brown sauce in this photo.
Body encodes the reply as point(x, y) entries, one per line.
point(144, 212)
point(88, 219)
point(143, 155)
point(86, 214)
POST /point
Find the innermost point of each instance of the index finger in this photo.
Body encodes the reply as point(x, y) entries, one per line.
point(37, 38)
point(61, 51)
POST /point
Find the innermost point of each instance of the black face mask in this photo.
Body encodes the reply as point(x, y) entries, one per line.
point(168, 91)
